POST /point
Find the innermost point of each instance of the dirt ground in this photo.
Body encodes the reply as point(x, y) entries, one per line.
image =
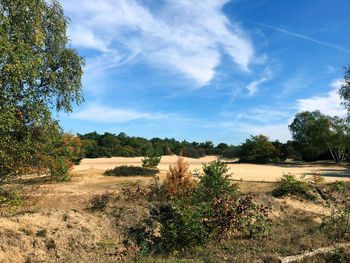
point(56, 224)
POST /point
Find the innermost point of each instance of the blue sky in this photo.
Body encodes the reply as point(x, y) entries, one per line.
point(202, 70)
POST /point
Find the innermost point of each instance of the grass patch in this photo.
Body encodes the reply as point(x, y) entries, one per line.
point(131, 171)
point(289, 184)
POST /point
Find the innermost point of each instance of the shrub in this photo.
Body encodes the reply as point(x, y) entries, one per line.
point(339, 223)
point(151, 161)
point(196, 213)
point(100, 201)
point(316, 177)
point(10, 199)
point(193, 153)
point(179, 181)
point(232, 152)
point(60, 168)
point(131, 171)
point(215, 181)
point(238, 216)
point(152, 158)
point(339, 186)
point(258, 149)
point(180, 227)
point(289, 184)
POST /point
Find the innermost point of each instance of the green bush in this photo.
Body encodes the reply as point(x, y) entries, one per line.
point(215, 181)
point(289, 184)
point(180, 227)
point(258, 149)
point(210, 210)
point(151, 161)
point(131, 171)
point(339, 223)
point(152, 158)
point(193, 153)
point(10, 199)
point(339, 186)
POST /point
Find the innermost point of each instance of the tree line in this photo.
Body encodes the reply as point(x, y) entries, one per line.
point(95, 145)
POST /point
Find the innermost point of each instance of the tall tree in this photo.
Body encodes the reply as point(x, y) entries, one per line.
point(315, 133)
point(39, 73)
point(344, 91)
point(310, 131)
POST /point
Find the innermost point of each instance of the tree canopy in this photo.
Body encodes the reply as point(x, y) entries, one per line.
point(39, 73)
point(315, 133)
point(344, 91)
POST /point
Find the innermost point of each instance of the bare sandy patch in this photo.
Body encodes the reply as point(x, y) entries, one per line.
point(240, 171)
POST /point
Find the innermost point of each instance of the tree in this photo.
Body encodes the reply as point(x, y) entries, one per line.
point(315, 133)
point(344, 91)
point(339, 139)
point(39, 73)
point(258, 149)
point(310, 131)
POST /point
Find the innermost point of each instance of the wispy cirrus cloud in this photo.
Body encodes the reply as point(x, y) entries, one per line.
point(253, 86)
point(104, 114)
point(323, 43)
point(186, 37)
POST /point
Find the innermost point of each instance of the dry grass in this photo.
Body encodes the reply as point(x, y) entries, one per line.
point(54, 222)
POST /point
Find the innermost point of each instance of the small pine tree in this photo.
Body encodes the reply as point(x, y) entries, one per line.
point(152, 158)
point(179, 180)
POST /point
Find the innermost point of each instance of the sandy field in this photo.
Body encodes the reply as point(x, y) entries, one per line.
point(240, 171)
point(56, 224)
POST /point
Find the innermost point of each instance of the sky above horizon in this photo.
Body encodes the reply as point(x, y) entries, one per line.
point(201, 70)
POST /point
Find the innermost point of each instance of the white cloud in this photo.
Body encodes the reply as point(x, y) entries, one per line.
point(273, 131)
point(330, 104)
point(263, 115)
point(182, 35)
point(337, 83)
point(253, 86)
point(102, 114)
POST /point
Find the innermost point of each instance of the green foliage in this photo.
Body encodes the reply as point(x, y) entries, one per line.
point(231, 152)
point(339, 223)
point(60, 168)
point(289, 184)
point(258, 149)
point(38, 72)
point(108, 145)
point(10, 198)
point(215, 181)
point(315, 134)
point(131, 171)
point(345, 90)
point(238, 216)
point(339, 186)
point(180, 227)
point(193, 153)
point(152, 158)
point(209, 211)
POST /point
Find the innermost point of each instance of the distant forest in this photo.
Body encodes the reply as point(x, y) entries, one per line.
point(95, 145)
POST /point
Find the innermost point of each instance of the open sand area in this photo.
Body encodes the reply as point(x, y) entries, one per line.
point(240, 171)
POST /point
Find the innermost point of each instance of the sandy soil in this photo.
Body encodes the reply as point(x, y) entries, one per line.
point(240, 171)
point(60, 227)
